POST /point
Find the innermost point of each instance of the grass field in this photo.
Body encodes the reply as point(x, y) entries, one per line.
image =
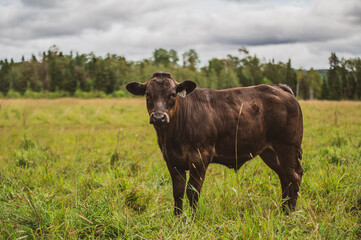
point(72, 168)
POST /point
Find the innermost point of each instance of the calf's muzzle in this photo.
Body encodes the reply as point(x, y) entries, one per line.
point(159, 118)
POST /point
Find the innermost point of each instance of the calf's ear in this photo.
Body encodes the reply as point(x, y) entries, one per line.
point(186, 87)
point(136, 88)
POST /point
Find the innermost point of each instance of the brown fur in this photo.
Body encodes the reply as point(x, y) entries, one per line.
point(206, 126)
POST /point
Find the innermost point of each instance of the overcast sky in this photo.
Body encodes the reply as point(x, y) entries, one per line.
point(305, 31)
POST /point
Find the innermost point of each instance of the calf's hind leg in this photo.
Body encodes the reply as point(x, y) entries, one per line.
point(271, 159)
point(286, 163)
point(290, 161)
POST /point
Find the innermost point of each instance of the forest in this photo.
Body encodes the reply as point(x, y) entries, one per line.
point(53, 74)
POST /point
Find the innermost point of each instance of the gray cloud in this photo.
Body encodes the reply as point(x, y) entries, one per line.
point(33, 19)
point(41, 3)
point(305, 31)
point(354, 14)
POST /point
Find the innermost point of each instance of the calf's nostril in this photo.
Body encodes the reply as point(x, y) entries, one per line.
point(157, 118)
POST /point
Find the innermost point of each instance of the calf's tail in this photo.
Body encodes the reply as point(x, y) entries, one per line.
point(284, 87)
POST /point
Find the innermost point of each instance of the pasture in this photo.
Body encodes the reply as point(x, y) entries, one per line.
point(73, 168)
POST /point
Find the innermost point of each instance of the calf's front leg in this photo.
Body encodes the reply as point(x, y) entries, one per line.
point(197, 174)
point(179, 183)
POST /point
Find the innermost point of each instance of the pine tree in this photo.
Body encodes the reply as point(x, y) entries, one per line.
point(333, 78)
point(228, 78)
point(358, 78)
point(324, 89)
point(43, 72)
point(100, 80)
point(271, 72)
point(35, 83)
point(4, 78)
point(69, 83)
point(173, 57)
point(214, 70)
point(350, 85)
point(190, 59)
point(54, 71)
point(110, 78)
point(290, 76)
point(161, 57)
point(255, 74)
point(314, 83)
point(25, 79)
point(213, 79)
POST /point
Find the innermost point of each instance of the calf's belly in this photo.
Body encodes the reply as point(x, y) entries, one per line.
point(235, 159)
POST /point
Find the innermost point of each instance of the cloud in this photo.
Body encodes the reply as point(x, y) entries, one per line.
point(306, 31)
point(270, 23)
point(354, 13)
point(36, 19)
point(40, 3)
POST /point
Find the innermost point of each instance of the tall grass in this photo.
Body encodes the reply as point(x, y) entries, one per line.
point(73, 168)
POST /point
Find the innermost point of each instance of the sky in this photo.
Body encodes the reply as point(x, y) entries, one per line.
point(304, 31)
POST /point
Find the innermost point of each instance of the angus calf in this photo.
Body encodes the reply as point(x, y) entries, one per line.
point(196, 127)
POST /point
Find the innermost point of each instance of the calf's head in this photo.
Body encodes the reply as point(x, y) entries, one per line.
point(162, 93)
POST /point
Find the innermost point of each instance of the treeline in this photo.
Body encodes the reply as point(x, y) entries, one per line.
point(55, 75)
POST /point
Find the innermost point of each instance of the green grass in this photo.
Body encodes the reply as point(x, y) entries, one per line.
point(73, 168)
